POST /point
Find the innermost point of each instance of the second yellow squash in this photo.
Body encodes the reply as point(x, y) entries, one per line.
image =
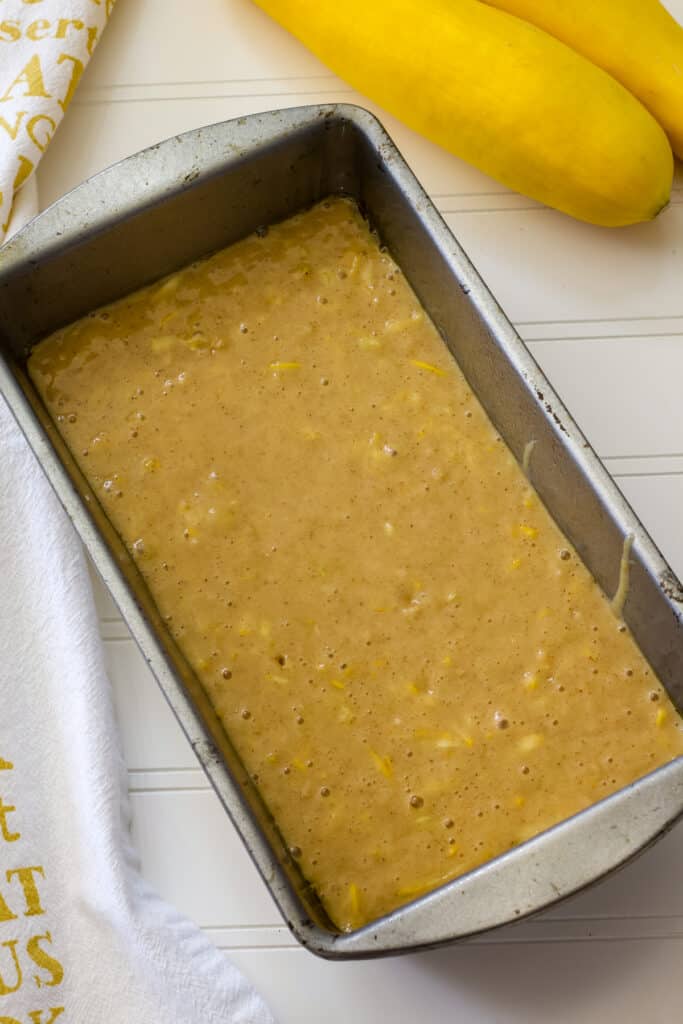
point(501, 94)
point(636, 41)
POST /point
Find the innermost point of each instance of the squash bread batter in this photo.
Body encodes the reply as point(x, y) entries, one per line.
point(407, 653)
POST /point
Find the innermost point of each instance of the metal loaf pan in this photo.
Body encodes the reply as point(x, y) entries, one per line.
point(193, 194)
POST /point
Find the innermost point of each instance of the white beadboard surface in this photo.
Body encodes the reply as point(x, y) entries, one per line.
point(603, 313)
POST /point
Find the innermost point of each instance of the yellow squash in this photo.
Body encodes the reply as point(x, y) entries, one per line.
point(499, 93)
point(637, 41)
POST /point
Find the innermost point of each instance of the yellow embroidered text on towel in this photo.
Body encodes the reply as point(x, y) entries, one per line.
point(45, 46)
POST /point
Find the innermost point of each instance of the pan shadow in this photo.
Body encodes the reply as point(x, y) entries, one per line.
point(593, 950)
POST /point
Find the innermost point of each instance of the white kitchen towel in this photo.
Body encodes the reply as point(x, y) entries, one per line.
point(83, 939)
point(45, 46)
